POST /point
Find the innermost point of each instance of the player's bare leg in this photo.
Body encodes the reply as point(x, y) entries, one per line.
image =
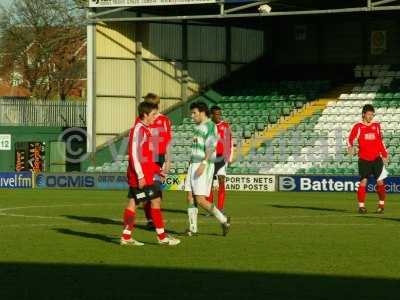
point(361, 195)
point(192, 214)
point(129, 225)
point(225, 221)
point(380, 189)
point(221, 193)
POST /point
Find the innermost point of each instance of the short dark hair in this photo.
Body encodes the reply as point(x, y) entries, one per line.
point(146, 108)
point(200, 106)
point(367, 108)
point(152, 98)
point(215, 108)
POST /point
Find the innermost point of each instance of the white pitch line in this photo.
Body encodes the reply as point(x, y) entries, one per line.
point(58, 205)
point(238, 220)
point(233, 224)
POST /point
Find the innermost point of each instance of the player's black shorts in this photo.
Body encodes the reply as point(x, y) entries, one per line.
point(148, 193)
point(218, 164)
point(160, 160)
point(367, 168)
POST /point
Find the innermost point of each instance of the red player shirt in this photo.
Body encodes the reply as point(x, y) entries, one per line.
point(224, 145)
point(161, 132)
point(141, 162)
point(370, 141)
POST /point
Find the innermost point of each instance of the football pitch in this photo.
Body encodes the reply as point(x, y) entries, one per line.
point(63, 244)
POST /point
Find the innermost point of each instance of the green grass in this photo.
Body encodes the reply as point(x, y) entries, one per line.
point(64, 244)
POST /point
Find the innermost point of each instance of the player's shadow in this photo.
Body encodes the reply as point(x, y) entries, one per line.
point(106, 221)
point(94, 220)
point(378, 217)
point(174, 211)
point(96, 236)
point(308, 208)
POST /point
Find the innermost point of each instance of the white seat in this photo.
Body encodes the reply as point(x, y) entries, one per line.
point(369, 81)
point(358, 71)
point(387, 81)
point(366, 72)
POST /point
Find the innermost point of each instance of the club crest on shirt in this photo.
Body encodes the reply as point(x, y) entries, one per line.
point(370, 136)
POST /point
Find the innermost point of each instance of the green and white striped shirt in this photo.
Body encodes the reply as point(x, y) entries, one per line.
point(204, 140)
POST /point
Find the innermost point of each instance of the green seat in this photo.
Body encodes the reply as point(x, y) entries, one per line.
point(260, 126)
point(298, 104)
point(312, 170)
point(301, 171)
point(396, 97)
point(244, 170)
point(273, 119)
point(379, 96)
point(247, 134)
point(286, 111)
point(389, 96)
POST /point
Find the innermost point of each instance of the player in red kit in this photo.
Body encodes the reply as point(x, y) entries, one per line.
point(142, 170)
point(224, 155)
point(372, 154)
point(161, 131)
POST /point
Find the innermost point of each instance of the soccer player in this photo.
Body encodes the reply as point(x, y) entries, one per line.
point(373, 156)
point(141, 173)
point(224, 155)
point(161, 132)
point(200, 174)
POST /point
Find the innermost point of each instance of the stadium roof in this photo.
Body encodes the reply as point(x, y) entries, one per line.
point(230, 9)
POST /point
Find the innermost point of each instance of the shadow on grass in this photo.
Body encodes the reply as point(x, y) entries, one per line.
point(96, 236)
point(65, 281)
point(105, 221)
point(94, 220)
point(381, 217)
point(308, 208)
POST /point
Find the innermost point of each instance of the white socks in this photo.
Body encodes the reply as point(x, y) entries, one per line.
point(192, 213)
point(218, 214)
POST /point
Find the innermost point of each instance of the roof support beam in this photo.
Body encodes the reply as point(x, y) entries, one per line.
point(241, 7)
point(383, 2)
point(246, 15)
point(110, 11)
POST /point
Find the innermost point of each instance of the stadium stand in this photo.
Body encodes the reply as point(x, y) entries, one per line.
point(287, 128)
point(323, 148)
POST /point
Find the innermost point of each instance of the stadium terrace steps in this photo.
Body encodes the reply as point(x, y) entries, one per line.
point(284, 124)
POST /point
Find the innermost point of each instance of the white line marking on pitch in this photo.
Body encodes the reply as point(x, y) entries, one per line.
point(72, 224)
point(239, 220)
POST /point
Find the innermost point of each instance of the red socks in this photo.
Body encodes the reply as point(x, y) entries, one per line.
point(147, 210)
point(158, 223)
point(129, 223)
point(221, 196)
point(155, 215)
point(210, 198)
point(380, 189)
point(361, 196)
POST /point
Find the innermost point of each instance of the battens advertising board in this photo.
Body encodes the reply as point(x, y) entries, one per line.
point(332, 184)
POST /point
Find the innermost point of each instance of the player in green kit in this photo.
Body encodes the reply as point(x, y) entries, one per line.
point(200, 174)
